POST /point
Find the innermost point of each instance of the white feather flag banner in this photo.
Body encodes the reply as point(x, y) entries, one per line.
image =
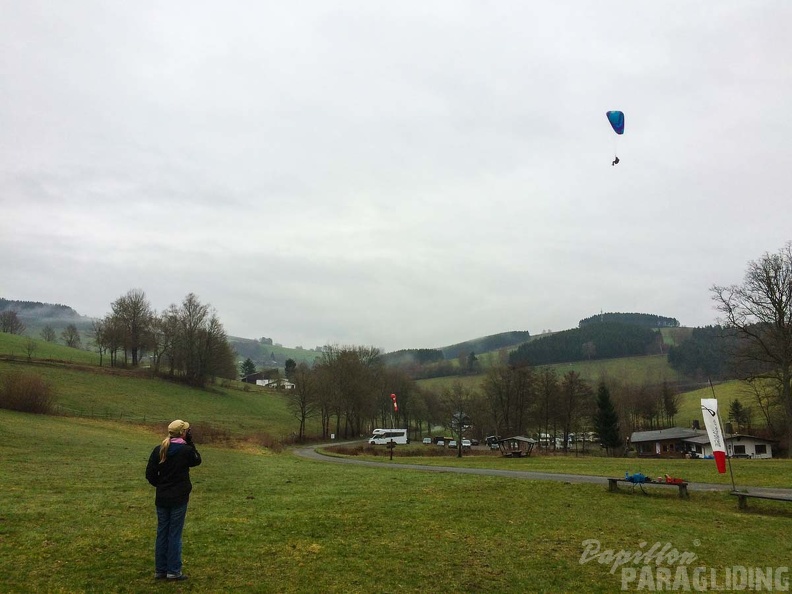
point(709, 410)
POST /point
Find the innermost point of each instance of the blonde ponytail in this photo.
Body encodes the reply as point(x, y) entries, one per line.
point(176, 429)
point(164, 449)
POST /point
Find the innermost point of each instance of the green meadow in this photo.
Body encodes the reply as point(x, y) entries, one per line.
point(14, 346)
point(76, 514)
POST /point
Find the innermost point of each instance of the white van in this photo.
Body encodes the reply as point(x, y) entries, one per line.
point(385, 436)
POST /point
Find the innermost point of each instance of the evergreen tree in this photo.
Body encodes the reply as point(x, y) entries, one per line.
point(606, 420)
point(248, 367)
point(290, 368)
point(739, 415)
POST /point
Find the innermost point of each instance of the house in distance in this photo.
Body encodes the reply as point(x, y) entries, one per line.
point(678, 442)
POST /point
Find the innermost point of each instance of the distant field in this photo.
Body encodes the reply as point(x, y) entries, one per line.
point(674, 336)
point(725, 393)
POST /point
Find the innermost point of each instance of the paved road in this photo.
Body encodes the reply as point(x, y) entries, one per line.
point(311, 453)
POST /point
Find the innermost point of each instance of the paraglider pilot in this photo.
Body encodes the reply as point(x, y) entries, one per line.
point(615, 161)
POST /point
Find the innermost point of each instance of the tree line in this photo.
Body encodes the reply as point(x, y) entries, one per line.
point(349, 390)
point(637, 319)
point(185, 342)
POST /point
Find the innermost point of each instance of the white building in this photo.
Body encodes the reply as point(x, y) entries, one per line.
point(677, 442)
point(277, 384)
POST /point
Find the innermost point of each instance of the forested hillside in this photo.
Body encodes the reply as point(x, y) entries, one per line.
point(606, 340)
point(485, 344)
point(637, 319)
point(705, 354)
point(35, 315)
point(409, 357)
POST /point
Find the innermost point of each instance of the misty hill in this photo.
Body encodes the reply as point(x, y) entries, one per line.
point(36, 310)
point(35, 315)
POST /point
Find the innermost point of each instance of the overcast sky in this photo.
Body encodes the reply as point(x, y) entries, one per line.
point(394, 174)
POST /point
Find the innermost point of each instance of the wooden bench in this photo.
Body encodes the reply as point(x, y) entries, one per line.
point(742, 497)
point(613, 485)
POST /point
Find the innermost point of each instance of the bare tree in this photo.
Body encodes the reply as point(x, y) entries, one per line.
point(11, 323)
point(133, 313)
point(97, 329)
point(456, 403)
point(350, 377)
point(548, 390)
point(48, 334)
point(575, 403)
point(303, 402)
point(200, 349)
point(112, 337)
point(30, 347)
point(760, 311)
point(510, 392)
point(71, 336)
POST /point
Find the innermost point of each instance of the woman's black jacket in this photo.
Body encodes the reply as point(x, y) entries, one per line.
point(172, 477)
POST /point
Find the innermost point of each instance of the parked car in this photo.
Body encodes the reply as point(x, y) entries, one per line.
point(441, 443)
point(474, 441)
point(452, 443)
point(466, 443)
point(427, 441)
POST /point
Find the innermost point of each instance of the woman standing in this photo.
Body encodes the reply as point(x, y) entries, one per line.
point(168, 470)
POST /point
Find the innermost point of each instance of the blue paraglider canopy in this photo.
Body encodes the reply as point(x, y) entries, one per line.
point(616, 119)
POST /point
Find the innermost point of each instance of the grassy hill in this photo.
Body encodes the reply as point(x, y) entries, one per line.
point(16, 347)
point(240, 409)
point(83, 388)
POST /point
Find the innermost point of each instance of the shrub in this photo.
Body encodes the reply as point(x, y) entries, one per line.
point(264, 439)
point(26, 392)
point(204, 432)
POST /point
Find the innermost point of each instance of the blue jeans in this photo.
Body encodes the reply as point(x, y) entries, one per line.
point(168, 549)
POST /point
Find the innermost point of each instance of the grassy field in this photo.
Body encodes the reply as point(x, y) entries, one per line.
point(76, 515)
point(690, 404)
point(16, 347)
